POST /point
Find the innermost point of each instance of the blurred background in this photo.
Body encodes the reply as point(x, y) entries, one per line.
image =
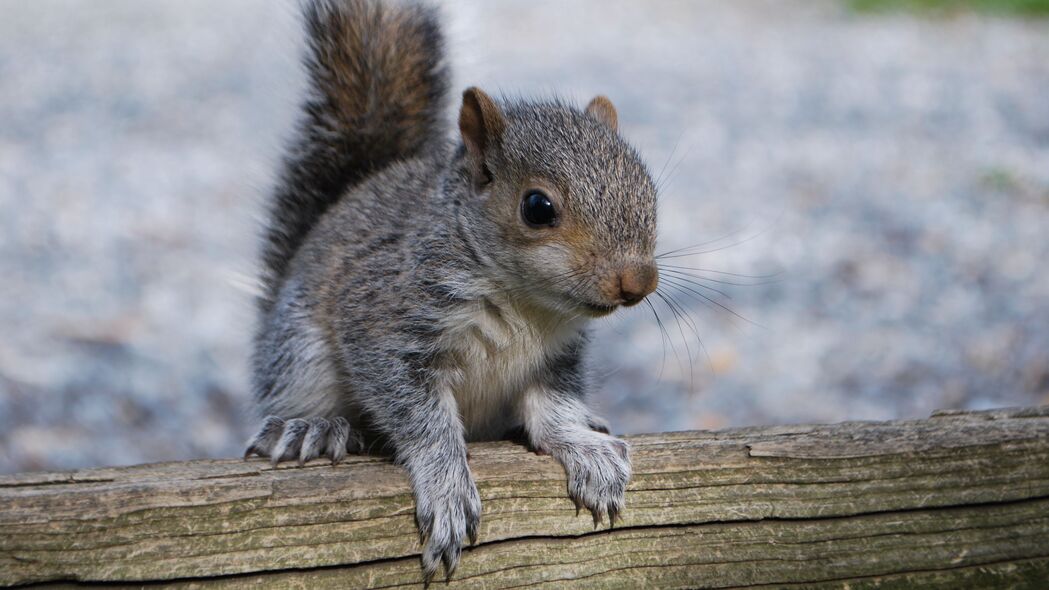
point(873, 174)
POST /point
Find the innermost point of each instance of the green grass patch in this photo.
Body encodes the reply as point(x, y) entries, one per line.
point(1029, 8)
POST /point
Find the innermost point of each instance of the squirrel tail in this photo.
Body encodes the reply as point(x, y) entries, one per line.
point(378, 83)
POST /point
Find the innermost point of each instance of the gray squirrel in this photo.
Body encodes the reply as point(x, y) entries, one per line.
point(422, 292)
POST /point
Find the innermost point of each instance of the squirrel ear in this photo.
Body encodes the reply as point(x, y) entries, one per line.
point(603, 110)
point(481, 124)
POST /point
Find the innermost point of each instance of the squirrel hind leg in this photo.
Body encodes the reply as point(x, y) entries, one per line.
point(304, 439)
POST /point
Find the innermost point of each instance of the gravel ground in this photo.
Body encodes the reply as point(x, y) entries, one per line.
point(890, 173)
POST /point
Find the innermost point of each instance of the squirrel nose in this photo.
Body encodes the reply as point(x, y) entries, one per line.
point(637, 282)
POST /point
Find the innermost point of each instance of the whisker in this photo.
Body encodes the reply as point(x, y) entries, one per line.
point(665, 182)
point(690, 250)
point(701, 244)
point(721, 272)
point(673, 349)
point(670, 157)
point(688, 350)
point(719, 304)
point(695, 329)
point(550, 283)
point(681, 276)
point(662, 340)
point(573, 291)
point(684, 290)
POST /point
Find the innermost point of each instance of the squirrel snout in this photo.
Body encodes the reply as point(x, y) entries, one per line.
point(636, 282)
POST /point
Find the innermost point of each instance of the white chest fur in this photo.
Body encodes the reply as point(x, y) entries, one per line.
point(496, 353)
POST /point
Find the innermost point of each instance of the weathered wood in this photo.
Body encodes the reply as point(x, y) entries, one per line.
point(959, 500)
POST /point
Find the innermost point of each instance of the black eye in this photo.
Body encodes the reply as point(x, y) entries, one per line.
point(537, 210)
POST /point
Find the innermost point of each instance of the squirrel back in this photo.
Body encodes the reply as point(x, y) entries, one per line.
point(378, 88)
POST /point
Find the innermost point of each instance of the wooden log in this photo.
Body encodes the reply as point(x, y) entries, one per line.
point(959, 500)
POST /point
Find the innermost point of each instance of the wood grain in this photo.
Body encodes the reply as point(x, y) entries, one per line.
point(958, 500)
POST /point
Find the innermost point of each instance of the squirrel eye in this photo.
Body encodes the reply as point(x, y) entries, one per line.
point(537, 210)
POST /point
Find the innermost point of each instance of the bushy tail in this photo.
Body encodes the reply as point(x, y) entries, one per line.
point(377, 88)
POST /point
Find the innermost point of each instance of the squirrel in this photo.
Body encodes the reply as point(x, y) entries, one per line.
point(422, 291)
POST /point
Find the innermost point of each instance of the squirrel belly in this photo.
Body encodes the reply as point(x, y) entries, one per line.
point(498, 349)
point(421, 292)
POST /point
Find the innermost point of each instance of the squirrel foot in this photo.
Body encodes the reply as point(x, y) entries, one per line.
point(304, 439)
point(598, 468)
point(448, 513)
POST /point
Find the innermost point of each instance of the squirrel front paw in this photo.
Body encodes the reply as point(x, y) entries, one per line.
point(598, 469)
point(447, 511)
point(304, 439)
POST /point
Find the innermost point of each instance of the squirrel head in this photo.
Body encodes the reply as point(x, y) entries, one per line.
point(568, 208)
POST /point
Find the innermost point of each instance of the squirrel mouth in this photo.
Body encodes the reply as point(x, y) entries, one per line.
point(598, 309)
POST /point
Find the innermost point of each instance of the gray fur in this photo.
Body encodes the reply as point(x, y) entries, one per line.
point(416, 310)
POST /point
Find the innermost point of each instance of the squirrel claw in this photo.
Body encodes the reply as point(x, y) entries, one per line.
point(450, 558)
point(265, 439)
point(303, 440)
point(597, 517)
point(471, 532)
